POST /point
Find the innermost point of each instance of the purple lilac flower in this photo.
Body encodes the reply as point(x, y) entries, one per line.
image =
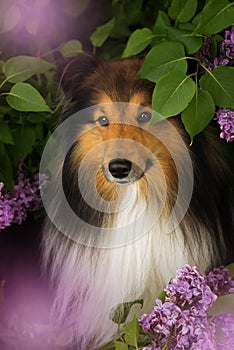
point(220, 281)
point(228, 43)
point(160, 321)
point(6, 213)
point(14, 206)
point(225, 52)
point(225, 118)
point(189, 289)
point(182, 321)
point(204, 55)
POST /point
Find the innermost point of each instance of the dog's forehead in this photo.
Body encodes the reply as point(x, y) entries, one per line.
point(137, 98)
point(116, 81)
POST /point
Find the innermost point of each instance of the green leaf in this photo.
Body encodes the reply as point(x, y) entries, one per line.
point(199, 113)
point(138, 41)
point(6, 175)
point(71, 47)
point(230, 269)
point(173, 93)
point(1, 64)
point(24, 139)
point(21, 68)
point(5, 132)
point(162, 296)
point(182, 10)
point(4, 109)
point(24, 97)
point(37, 118)
point(219, 83)
point(163, 58)
point(215, 16)
point(120, 313)
point(101, 33)
point(120, 346)
point(131, 332)
point(191, 42)
point(133, 11)
point(162, 22)
point(2, 149)
point(187, 26)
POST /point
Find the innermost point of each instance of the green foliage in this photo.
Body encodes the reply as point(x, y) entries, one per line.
point(28, 90)
point(120, 313)
point(219, 83)
point(183, 85)
point(182, 10)
point(21, 68)
point(163, 58)
point(25, 98)
point(173, 93)
point(120, 346)
point(71, 47)
point(202, 109)
point(214, 17)
point(138, 41)
point(101, 33)
point(168, 32)
point(230, 269)
point(131, 332)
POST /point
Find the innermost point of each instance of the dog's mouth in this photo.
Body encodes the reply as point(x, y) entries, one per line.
point(122, 171)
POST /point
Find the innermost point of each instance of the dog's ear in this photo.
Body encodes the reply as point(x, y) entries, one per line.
point(73, 71)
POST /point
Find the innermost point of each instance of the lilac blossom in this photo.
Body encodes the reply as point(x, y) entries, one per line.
point(225, 118)
point(220, 281)
point(189, 289)
point(225, 51)
point(182, 322)
point(26, 197)
point(204, 56)
point(228, 43)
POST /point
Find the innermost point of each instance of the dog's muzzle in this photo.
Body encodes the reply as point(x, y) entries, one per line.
point(122, 171)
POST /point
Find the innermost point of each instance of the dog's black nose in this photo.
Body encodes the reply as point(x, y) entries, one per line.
point(120, 168)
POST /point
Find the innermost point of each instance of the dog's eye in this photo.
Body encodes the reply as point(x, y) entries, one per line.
point(103, 121)
point(144, 117)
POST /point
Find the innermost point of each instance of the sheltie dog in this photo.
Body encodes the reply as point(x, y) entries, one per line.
point(144, 203)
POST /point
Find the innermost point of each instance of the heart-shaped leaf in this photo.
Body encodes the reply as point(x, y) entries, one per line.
point(21, 68)
point(138, 41)
point(102, 32)
point(219, 83)
point(215, 16)
point(162, 59)
point(25, 98)
point(173, 93)
point(199, 113)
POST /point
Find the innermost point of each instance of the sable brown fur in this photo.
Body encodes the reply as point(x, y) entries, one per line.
point(90, 281)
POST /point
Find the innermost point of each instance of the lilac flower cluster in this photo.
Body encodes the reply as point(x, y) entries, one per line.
point(224, 54)
point(228, 43)
point(220, 281)
point(225, 118)
point(182, 321)
point(14, 206)
point(204, 56)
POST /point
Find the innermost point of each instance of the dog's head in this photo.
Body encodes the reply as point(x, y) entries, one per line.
point(117, 132)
